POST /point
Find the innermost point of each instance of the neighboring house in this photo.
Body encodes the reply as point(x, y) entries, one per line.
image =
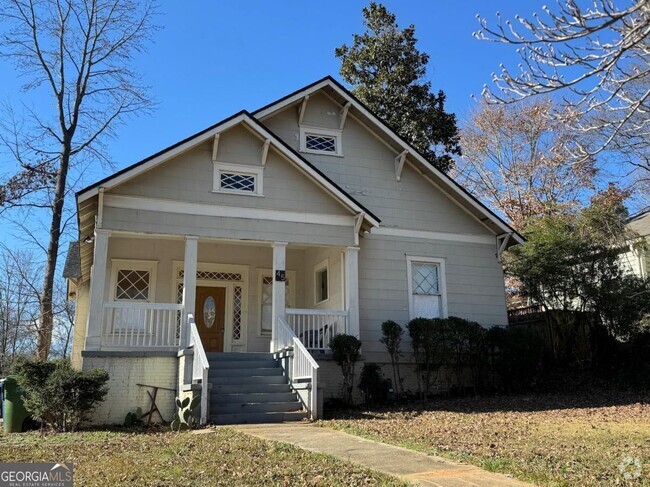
point(272, 231)
point(636, 258)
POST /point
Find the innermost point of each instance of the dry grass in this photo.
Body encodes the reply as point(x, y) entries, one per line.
point(548, 440)
point(162, 458)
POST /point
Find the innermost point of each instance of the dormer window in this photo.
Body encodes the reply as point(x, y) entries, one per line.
point(237, 178)
point(320, 141)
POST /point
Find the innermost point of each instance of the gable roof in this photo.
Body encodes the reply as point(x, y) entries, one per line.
point(640, 223)
point(443, 181)
point(207, 134)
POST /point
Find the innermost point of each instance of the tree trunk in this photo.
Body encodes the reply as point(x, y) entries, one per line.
point(46, 315)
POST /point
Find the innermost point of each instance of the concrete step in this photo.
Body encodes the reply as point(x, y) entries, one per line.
point(239, 356)
point(221, 389)
point(258, 418)
point(244, 372)
point(248, 379)
point(255, 407)
point(257, 397)
point(243, 364)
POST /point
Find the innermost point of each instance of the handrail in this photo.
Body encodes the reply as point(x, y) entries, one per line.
point(200, 366)
point(304, 366)
point(137, 305)
point(317, 312)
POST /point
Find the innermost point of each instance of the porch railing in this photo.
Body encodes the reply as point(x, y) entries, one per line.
point(141, 325)
point(317, 327)
point(200, 367)
point(302, 366)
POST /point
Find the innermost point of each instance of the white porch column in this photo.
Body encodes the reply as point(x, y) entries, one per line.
point(279, 277)
point(352, 289)
point(189, 285)
point(97, 290)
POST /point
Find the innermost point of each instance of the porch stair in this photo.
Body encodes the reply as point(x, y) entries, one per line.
point(250, 388)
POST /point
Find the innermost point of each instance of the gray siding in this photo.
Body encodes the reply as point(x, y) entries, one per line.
point(475, 288)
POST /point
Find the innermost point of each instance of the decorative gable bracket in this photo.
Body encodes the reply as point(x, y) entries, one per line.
point(502, 243)
point(265, 151)
point(302, 109)
point(344, 114)
point(215, 147)
point(399, 164)
point(358, 220)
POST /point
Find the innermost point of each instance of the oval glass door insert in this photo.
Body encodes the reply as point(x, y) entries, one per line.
point(209, 311)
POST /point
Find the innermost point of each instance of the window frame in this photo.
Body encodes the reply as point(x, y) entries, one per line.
point(261, 274)
point(337, 135)
point(323, 265)
point(134, 265)
point(244, 169)
point(442, 281)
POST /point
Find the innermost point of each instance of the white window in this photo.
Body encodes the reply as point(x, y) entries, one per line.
point(238, 178)
point(320, 141)
point(266, 297)
point(132, 281)
point(426, 285)
point(321, 282)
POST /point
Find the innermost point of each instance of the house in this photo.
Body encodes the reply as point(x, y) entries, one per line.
point(223, 265)
point(636, 258)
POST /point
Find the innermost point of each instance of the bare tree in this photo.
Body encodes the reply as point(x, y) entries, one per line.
point(19, 305)
point(598, 56)
point(515, 158)
point(79, 52)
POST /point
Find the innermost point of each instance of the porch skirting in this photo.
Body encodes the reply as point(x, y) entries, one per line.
point(125, 371)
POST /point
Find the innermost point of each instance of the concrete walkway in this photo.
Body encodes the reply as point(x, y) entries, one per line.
point(417, 468)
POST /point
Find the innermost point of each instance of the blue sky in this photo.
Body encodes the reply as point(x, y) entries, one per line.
point(213, 58)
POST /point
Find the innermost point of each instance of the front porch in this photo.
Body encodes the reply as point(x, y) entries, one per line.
point(149, 287)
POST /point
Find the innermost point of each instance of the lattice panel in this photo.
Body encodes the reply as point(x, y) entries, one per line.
point(213, 275)
point(320, 143)
point(238, 181)
point(425, 279)
point(236, 313)
point(132, 285)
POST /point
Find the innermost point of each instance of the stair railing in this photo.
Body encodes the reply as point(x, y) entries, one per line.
point(200, 367)
point(302, 366)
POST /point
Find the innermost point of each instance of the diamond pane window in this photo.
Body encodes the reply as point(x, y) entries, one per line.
point(236, 313)
point(425, 279)
point(320, 143)
point(132, 285)
point(237, 181)
point(266, 310)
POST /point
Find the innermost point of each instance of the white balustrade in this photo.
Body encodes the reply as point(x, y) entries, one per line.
point(317, 327)
point(141, 325)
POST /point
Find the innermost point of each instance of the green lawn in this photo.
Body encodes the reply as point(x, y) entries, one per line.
point(162, 458)
point(549, 440)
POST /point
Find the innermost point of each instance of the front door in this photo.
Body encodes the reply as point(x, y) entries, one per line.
point(211, 317)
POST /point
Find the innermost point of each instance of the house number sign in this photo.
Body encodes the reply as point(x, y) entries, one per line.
point(280, 276)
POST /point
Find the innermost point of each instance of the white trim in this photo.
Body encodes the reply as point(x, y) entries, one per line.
point(215, 147)
point(262, 273)
point(324, 264)
point(203, 209)
point(252, 124)
point(443, 282)
point(344, 115)
point(228, 343)
point(399, 164)
point(336, 134)
point(244, 169)
point(429, 235)
point(261, 114)
point(265, 151)
point(302, 109)
point(150, 266)
point(165, 156)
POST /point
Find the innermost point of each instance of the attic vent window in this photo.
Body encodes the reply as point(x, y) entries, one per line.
point(238, 181)
point(320, 141)
point(238, 178)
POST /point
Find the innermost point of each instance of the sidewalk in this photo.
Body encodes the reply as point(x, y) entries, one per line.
point(415, 467)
